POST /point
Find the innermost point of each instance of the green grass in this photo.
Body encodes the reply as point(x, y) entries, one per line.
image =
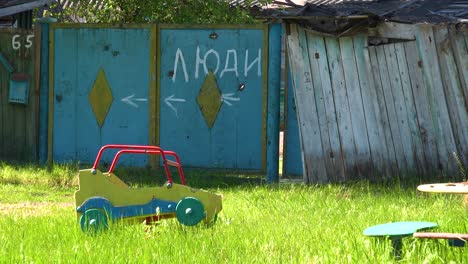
point(259, 224)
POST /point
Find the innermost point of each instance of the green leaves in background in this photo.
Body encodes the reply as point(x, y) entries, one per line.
point(157, 11)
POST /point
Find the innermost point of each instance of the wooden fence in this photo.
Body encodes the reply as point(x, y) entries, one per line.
point(18, 122)
point(391, 102)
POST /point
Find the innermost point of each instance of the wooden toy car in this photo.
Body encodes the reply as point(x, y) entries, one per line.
point(103, 198)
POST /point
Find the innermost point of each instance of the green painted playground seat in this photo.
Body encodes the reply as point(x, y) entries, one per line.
point(396, 231)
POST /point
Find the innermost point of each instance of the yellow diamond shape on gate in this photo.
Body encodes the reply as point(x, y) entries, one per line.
point(209, 99)
point(100, 97)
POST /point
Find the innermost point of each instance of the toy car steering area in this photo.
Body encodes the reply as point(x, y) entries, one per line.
point(103, 198)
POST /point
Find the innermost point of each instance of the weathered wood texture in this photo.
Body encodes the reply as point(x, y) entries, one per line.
point(397, 109)
point(18, 133)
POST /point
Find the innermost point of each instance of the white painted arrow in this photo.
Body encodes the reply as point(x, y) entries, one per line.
point(228, 97)
point(130, 100)
point(170, 99)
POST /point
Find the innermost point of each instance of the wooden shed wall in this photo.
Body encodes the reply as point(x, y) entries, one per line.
point(394, 109)
point(18, 133)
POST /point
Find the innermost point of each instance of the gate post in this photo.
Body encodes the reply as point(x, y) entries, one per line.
point(273, 102)
point(44, 88)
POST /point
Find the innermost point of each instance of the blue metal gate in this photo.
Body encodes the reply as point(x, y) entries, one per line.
point(209, 93)
point(100, 90)
point(213, 90)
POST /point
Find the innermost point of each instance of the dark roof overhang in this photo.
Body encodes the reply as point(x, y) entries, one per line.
point(11, 7)
point(342, 17)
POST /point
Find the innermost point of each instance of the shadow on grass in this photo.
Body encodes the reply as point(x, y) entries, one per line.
point(197, 178)
point(66, 175)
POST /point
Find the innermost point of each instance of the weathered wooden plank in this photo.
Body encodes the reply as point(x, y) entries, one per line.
point(9, 130)
point(319, 99)
point(3, 95)
point(380, 109)
point(424, 118)
point(33, 132)
point(464, 69)
point(16, 125)
point(28, 124)
point(314, 167)
point(465, 33)
point(3, 77)
point(323, 72)
point(460, 51)
point(312, 141)
point(343, 115)
point(400, 107)
point(391, 111)
point(458, 33)
point(376, 144)
point(393, 30)
point(412, 117)
point(292, 42)
point(358, 120)
point(445, 139)
point(453, 91)
point(20, 129)
point(8, 111)
point(19, 111)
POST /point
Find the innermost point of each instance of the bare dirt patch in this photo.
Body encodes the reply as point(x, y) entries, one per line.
point(28, 209)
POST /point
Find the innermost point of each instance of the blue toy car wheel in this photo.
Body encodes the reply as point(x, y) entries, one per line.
point(93, 221)
point(190, 211)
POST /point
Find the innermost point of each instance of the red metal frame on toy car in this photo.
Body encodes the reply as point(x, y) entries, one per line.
point(137, 149)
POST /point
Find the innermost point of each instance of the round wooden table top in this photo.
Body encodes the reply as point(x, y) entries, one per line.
point(456, 188)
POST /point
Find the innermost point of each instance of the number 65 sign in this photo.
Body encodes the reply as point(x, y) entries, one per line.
point(16, 41)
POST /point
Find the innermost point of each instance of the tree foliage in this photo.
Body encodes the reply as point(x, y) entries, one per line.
point(156, 11)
